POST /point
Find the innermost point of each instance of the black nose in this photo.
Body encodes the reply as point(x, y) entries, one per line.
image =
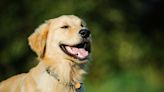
point(84, 33)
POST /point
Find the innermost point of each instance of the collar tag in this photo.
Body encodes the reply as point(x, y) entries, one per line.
point(77, 85)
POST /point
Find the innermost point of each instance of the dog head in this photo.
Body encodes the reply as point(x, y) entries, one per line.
point(65, 37)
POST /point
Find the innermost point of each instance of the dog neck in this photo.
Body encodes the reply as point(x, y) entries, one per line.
point(76, 85)
point(63, 75)
point(64, 72)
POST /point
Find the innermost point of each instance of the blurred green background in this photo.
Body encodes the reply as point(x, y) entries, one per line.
point(128, 40)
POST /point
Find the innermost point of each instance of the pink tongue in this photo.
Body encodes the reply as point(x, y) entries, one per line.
point(79, 52)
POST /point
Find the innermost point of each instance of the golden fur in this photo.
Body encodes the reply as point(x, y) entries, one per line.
point(44, 41)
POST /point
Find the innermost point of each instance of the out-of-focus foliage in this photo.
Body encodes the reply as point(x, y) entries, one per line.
point(128, 41)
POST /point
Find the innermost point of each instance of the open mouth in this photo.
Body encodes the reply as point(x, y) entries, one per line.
point(79, 51)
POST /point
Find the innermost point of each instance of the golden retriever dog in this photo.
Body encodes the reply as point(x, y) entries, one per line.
point(63, 48)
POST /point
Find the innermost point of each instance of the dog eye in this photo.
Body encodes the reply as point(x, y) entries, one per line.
point(65, 26)
point(82, 25)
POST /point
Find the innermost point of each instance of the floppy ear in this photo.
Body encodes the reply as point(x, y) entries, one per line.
point(37, 40)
